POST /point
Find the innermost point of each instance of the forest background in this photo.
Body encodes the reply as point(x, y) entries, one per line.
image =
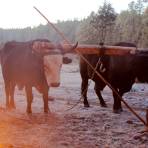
point(105, 25)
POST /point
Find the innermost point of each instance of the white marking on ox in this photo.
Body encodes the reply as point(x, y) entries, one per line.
point(52, 68)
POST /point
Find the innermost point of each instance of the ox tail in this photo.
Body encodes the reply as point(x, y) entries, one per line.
point(0, 55)
point(1, 49)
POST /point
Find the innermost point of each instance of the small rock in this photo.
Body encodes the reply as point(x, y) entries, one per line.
point(137, 137)
point(106, 146)
point(129, 121)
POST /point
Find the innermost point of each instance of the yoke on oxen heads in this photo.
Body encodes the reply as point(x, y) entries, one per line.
point(45, 47)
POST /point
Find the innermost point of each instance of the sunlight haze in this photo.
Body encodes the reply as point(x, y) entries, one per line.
point(20, 13)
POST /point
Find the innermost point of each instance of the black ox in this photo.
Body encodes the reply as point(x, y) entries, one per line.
point(119, 71)
point(31, 64)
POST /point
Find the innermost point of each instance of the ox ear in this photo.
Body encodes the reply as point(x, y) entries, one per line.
point(67, 60)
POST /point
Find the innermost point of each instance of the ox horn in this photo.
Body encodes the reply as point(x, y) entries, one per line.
point(50, 48)
point(67, 48)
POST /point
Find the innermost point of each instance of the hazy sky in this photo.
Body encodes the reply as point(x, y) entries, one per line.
point(20, 13)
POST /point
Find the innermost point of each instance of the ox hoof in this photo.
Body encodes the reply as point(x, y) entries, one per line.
point(50, 98)
point(46, 111)
point(86, 105)
point(12, 106)
point(117, 111)
point(29, 111)
point(7, 105)
point(103, 105)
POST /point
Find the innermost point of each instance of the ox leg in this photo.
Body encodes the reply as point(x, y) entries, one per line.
point(12, 88)
point(84, 88)
point(29, 95)
point(7, 92)
point(45, 99)
point(117, 108)
point(97, 90)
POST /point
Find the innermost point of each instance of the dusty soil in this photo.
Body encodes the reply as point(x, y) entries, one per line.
point(79, 127)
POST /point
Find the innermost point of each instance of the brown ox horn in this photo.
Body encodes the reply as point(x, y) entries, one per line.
point(42, 47)
point(67, 48)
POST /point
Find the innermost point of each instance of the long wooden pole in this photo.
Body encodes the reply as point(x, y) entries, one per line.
point(51, 24)
point(99, 75)
point(107, 50)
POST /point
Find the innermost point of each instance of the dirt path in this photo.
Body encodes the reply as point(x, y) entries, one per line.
point(95, 127)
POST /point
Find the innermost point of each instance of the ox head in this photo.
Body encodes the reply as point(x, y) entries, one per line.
point(141, 66)
point(53, 58)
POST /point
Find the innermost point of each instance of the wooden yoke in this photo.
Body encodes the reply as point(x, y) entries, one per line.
point(107, 50)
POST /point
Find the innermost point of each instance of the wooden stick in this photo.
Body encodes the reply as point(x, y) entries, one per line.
point(49, 23)
point(107, 50)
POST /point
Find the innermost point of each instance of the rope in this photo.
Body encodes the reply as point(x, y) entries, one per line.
point(81, 97)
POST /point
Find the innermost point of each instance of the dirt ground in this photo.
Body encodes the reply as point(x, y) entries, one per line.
point(79, 127)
